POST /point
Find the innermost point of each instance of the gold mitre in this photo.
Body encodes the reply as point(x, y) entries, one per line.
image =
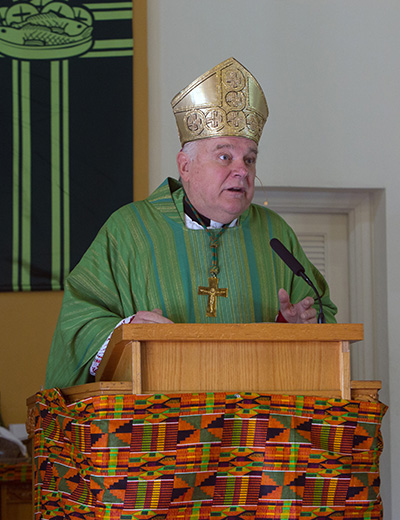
point(225, 101)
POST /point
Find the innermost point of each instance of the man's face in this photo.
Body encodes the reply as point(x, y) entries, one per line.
point(219, 181)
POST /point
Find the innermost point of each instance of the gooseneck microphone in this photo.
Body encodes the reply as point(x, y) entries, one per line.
point(298, 270)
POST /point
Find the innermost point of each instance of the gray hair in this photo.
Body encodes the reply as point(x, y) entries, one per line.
point(191, 149)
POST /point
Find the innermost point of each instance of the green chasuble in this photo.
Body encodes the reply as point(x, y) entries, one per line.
point(144, 258)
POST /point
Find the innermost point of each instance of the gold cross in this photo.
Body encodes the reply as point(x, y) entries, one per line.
point(212, 292)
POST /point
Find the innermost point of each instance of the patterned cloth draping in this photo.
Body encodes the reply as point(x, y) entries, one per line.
point(206, 456)
point(18, 471)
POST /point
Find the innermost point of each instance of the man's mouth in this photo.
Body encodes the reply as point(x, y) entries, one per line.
point(236, 190)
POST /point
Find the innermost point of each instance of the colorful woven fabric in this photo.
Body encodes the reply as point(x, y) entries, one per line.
point(18, 472)
point(207, 456)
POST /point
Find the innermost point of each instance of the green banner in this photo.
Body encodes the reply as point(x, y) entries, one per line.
point(66, 131)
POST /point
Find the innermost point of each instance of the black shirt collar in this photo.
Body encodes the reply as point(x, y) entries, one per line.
point(188, 210)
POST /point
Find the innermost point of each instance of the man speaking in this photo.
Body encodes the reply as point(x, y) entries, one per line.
point(195, 251)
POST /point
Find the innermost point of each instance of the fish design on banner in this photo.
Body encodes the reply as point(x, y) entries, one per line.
point(45, 30)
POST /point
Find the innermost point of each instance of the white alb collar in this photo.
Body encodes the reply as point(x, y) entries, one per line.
point(192, 224)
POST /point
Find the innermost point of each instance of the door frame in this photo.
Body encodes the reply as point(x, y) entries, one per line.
point(365, 209)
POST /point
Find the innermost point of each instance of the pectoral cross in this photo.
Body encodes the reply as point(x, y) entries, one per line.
point(212, 292)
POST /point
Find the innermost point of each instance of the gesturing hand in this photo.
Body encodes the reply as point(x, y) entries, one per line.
point(301, 312)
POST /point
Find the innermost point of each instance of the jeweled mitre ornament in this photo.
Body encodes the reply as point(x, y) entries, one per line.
point(225, 101)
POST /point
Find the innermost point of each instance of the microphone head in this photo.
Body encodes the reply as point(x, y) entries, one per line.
point(286, 256)
point(298, 270)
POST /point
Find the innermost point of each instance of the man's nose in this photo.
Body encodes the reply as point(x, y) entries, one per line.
point(240, 168)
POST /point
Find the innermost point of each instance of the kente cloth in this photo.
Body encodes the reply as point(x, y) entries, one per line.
point(145, 258)
point(206, 456)
point(16, 472)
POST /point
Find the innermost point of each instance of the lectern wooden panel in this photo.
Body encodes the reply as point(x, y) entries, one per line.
point(269, 358)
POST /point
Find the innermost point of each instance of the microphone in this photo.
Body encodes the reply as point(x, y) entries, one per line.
point(298, 270)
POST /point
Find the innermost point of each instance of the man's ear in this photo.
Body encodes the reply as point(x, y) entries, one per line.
point(183, 162)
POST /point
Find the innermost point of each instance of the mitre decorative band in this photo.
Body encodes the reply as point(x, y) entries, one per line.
point(225, 101)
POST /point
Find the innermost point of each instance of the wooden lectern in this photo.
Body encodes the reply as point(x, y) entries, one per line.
point(263, 357)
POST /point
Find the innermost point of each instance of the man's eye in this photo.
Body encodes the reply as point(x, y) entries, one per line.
point(251, 160)
point(224, 157)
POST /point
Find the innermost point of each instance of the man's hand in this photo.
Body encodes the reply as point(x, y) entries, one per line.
point(154, 316)
point(301, 312)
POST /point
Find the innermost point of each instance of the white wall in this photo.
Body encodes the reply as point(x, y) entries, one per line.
point(331, 74)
